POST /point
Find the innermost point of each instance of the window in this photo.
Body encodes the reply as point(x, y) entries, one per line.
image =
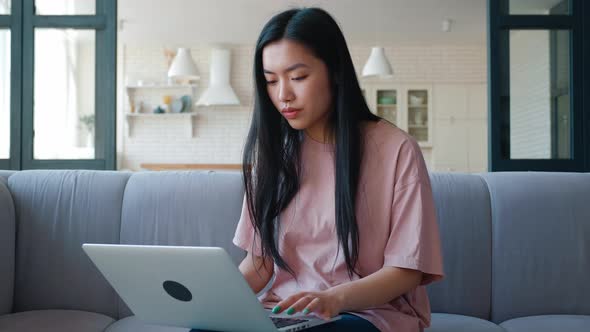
point(7, 23)
point(4, 92)
point(61, 96)
point(65, 7)
point(536, 57)
point(64, 94)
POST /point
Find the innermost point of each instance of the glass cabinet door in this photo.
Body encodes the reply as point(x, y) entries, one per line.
point(387, 103)
point(418, 120)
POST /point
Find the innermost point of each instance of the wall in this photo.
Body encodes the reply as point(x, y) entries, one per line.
point(220, 131)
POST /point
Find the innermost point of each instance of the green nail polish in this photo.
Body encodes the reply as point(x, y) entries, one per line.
point(276, 309)
point(305, 311)
point(290, 311)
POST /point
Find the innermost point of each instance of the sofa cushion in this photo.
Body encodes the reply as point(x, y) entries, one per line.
point(132, 324)
point(459, 323)
point(7, 248)
point(54, 321)
point(548, 323)
point(464, 218)
point(56, 212)
point(186, 208)
point(541, 236)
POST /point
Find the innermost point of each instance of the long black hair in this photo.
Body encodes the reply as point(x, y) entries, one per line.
point(271, 154)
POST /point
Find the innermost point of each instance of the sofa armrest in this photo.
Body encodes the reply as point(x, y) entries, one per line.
point(7, 249)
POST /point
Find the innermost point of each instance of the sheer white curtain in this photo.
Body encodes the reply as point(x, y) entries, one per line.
point(64, 84)
point(4, 87)
point(65, 7)
point(5, 6)
point(55, 114)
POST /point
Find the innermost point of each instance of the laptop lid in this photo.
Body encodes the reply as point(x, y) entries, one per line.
point(193, 287)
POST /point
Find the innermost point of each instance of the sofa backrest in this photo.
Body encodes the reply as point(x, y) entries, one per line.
point(188, 208)
point(541, 237)
point(538, 224)
point(464, 218)
point(56, 212)
point(7, 248)
point(4, 174)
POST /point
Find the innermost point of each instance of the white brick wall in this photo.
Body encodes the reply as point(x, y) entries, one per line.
point(431, 63)
point(220, 131)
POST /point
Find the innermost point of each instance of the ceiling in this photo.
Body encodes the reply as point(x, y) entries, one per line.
point(181, 22)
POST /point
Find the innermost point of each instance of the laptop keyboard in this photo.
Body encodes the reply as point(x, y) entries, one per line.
point(282, 322)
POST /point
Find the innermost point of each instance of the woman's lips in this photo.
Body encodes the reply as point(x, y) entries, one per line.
point(290, 112)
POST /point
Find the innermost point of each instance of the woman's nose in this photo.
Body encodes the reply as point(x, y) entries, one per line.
point(285, 92)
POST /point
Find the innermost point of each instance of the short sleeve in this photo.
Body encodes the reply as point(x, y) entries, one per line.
point(414, 240)
point(245, 236)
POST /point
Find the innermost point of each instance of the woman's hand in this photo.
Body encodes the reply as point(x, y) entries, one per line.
point(371, 291)
point(325, 304)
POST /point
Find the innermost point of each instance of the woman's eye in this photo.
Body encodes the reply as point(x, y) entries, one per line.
point(300, 78)
point(271, 82)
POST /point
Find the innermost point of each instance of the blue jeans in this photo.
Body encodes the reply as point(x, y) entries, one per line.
point(348, 323)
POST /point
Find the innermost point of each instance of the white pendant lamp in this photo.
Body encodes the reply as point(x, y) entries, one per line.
point(183, 66)
point(219, 91)
point(377, 65)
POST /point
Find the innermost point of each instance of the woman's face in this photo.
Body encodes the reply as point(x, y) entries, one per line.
point(298, 84)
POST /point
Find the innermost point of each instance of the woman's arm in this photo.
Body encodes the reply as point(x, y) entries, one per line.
point(257, 271)
point(374, 290)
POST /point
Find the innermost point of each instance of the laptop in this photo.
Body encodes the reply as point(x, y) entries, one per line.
point(192, 287)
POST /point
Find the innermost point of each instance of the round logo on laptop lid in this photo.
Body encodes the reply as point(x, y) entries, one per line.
point(177, 291)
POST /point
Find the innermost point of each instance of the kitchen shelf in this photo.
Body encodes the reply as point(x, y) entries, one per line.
point(151, 92)
point(130, 117)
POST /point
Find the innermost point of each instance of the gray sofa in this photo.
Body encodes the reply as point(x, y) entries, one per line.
point(516, 245)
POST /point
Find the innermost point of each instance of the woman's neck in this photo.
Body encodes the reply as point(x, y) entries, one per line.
point(320, 136)
point(318, 133)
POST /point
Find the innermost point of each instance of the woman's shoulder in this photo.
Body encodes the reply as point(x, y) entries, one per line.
point(389, 148)
point(387, 137)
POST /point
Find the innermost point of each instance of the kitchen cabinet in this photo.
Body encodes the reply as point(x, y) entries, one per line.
point(449, 121)
point(460, 127)
point(409, 107)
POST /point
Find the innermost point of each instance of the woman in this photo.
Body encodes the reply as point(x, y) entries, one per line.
point(338, 203)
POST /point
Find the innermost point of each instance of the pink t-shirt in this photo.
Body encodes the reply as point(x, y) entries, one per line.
point(395, 215)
